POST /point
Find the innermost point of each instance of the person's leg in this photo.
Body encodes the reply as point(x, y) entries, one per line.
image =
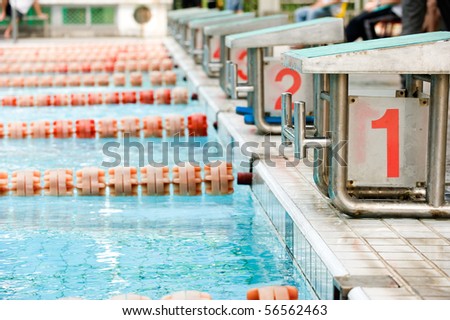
point(3, 14)
point(360, 26)
point(444, 8)
point(8, 31)
point(37, 8)
point(413, 15)
point(301, 14)
point(355, 28)
point(319, 13)
point(369, 24)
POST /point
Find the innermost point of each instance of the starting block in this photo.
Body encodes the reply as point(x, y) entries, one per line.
point(377, 156)
point(215, 57)
point(265, 72)
point(197, 26)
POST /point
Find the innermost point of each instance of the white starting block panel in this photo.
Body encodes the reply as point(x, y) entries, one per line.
point(239, 56)
point(279, 79)
point(387, 141)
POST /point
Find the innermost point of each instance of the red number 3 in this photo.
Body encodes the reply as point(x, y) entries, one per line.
point(295, 86)
point(390, 122)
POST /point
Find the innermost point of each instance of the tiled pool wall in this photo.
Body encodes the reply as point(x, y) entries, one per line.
point(295, 241)
point(298, 246)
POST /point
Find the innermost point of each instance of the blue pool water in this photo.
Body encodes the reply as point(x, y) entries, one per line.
point(98, 247)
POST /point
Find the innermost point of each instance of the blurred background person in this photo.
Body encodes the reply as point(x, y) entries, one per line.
point(319, 9)
point(22, 7)
point(363, 25)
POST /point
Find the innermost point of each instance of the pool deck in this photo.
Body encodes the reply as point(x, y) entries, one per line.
point(371, 258)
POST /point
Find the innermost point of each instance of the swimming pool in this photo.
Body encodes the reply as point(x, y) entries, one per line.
point(98, 247)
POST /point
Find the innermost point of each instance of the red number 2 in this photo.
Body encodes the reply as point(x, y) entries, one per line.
point(390, 122)
point(216, 54)
point(240, 73)
point(295, 86)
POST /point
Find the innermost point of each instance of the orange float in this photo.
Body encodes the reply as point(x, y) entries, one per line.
point(62, 129)
point(163, 96)
point(174, 125)
point(46, 81)
point(273, 293)
point(43, 101)
point(112, 98)
point(187, 180)
point(136, 79)
point(131, 126)
point(152, 126)
point(60, 100)
point(9, 101)
point(58, 182)
point(107, 128)
point(155, 181)
point(88, 80)
point(170, 78)
point(156, 78)
point(146, 97)
point(180, 95)
point(78, 99)
point(197, 125)
point(95, 98)
point(103, 80)
point(3, 183)
point(119, 79)
point(123, 181)
point(26, 183)
point(40, 129)
point(128, 97)
point(91, 182)
point(17, 130)
point(85, 129)
point(219, 179)
point(60, 81)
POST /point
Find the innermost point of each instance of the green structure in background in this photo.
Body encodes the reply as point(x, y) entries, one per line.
point(74, 16)
point(103, 15)
point(98, 15)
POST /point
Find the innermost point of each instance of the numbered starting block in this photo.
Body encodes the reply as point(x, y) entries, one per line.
point(174, 16)
point(183, 24)
point(377, 156)
point(216, 54)
point(197, 26)
point(268, 72)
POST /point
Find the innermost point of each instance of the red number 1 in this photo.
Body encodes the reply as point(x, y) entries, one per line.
point(390, 122)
